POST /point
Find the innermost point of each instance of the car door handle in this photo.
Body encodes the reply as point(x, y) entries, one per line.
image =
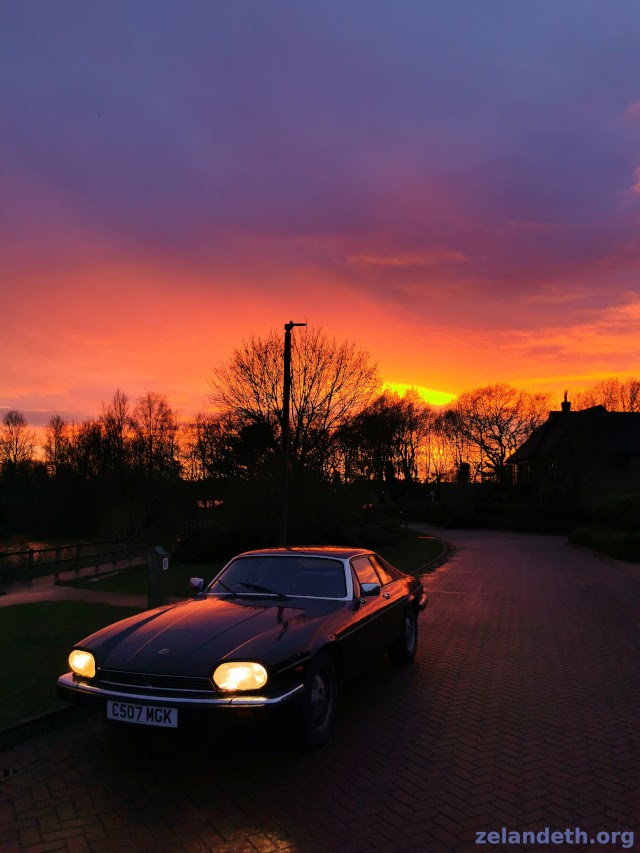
point(386, 595)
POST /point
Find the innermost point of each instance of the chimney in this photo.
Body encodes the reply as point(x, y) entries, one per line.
point(566, 405)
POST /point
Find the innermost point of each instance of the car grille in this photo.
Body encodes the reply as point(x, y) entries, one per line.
point(125, 681)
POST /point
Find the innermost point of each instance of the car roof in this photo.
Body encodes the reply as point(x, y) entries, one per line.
point(337, 551)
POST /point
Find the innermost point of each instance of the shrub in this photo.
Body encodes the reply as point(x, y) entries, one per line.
point(619, 544)
point(319, 514)
point(210, 545)
point(619, 514)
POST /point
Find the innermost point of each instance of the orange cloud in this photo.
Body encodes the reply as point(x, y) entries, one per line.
point(555, 295)
point(430, 258)
point(608, 344)
point(145, 326)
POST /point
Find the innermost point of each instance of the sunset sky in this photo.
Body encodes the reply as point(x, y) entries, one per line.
point(453, 185)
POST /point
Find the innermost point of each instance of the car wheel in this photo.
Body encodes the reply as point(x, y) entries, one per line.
point(405, 648)
point(320, 701)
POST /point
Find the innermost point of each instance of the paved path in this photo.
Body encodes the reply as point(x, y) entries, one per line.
point(53, 592)
point(521, 710)
point(44, 589)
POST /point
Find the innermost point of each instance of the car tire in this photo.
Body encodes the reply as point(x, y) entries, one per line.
point(405, 648)
point(319, 702)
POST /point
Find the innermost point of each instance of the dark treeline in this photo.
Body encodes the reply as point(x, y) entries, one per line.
point(138, 465)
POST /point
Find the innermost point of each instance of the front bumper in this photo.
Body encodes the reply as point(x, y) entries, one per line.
point(71, 690)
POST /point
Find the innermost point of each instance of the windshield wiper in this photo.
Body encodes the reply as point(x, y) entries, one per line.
point(228, 588)
point(264, 589)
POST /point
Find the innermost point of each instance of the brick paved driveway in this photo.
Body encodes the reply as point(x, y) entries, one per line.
point(521, 711)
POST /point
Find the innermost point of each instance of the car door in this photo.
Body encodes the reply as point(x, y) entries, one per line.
point(393, 592)
point(373, 611)
point(355, 634)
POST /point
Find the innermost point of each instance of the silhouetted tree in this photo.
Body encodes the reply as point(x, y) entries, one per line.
point(384, 440)
point(227, 445)
point(155, 428)
point(456, 448)
point(17, 442)
point(415, 422)
point(195, 447)
point(495, 420)
point(86, 449)
point(442, 451)
point(366, 442)
point(116, 420)
point(57, 445)
point(331, 381)
point(617, 395)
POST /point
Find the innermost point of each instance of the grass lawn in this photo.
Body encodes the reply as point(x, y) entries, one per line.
point(136, 580)
point(409, 555)
point(36, 640)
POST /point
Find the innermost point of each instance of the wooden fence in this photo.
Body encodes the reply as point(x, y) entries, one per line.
point(78, 558)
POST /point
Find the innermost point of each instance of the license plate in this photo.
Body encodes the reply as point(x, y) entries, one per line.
point(143, 715)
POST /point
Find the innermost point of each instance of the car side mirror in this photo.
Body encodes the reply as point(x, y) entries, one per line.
point(369, 589)
point(196, 584)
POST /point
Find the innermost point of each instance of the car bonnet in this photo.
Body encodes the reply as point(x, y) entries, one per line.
point(191, 637)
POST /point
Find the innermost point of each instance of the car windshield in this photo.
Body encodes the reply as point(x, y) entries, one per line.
point(297, 575)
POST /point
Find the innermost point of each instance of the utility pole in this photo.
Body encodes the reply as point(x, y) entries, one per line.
point(286, 395)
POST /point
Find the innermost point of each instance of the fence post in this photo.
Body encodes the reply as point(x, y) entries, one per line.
point(158, 566)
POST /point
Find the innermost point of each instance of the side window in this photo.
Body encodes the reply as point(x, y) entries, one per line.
point(382, 570)
point(364, 570)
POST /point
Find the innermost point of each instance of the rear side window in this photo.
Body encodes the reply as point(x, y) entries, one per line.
point(364, 570)
point(381, 569)
point(395, 573)
point(356, 585)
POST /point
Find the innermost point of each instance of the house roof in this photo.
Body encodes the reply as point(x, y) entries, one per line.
point(594, 431)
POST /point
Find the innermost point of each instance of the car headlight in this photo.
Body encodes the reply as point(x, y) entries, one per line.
point(240, 676)
point(82, 663)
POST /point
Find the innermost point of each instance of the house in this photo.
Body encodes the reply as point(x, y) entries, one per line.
point(580, 457)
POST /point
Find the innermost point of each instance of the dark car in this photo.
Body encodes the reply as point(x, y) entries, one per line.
point(274, 627)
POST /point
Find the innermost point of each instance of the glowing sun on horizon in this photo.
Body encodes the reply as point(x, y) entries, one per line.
point(429, 395)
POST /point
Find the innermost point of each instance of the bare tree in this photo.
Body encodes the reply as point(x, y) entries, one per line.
point(385, 440)
point(17, 442)
point(456, 448)
point(155, 429)
point(367, 441)
point(416, 422)
point(331, 381)
point(205, 446)
point(441, 458)
point(86, 448)
point(194, 448)
point(495, 420)
point(116, 420)
point(617, 395)
point(57, 444)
